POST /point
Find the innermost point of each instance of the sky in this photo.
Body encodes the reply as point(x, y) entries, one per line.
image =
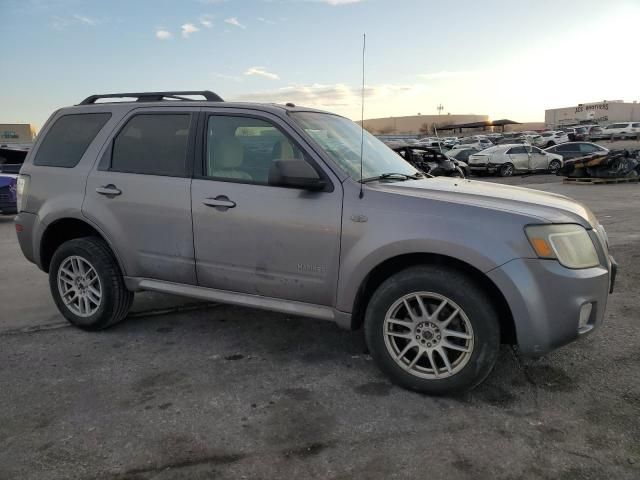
point(505, 59)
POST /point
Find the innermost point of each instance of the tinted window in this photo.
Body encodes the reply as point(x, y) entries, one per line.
point(636, 125)
point(153, 144)
point(587, 148)
point(244, 149)
point(517, 150)
point(68, 139)
point(564, 148)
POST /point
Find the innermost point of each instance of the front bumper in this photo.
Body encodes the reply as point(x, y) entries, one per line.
point(546, 300)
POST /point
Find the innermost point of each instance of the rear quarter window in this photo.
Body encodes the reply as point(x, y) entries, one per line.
point(68, 139)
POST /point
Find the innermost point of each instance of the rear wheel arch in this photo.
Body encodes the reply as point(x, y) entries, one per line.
point(64, 229)
point(396, 264)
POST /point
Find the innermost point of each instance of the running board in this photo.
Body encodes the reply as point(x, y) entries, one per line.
point(233, 298)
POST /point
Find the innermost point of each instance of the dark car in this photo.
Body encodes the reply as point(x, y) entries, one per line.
point(571, 150)
point(431, 161)
point(11, 159)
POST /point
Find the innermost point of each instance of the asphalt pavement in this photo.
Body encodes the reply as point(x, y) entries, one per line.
point(192, 390)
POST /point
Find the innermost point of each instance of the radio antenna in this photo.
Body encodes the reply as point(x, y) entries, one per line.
point(364, 46)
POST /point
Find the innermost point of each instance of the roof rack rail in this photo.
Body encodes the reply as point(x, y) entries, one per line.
point(155, 96)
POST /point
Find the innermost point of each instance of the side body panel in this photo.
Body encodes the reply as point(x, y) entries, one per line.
point(383, 225)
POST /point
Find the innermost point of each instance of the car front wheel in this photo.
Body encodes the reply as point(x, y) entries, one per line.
point(432, 330)
point(87, 285)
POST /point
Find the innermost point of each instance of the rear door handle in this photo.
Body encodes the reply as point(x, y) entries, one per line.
point(109, 190)
point(221, 202)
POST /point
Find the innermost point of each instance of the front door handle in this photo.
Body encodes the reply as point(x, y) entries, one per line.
point(109, 190)
point(221, 202)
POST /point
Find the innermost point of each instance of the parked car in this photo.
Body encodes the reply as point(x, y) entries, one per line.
point(8, 193)
point(576, 149)
point(554, 137)
point(11, 159)
point(275, 207)
point(596, 133)
point(622, 130)
point(462, 154)
point(480, 143)
point(432, 161)
point(505, 160)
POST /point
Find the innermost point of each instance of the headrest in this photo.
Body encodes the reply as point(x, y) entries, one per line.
point(228, 152)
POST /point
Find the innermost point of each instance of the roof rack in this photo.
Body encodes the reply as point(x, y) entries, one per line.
point(155, 96)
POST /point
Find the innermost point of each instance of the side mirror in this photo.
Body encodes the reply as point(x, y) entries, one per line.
point(295, 174)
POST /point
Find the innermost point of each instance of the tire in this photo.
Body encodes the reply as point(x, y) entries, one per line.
point(554, 166)
point(80, 268)
point(550, 144)
point(477, 318)
point(506, 170)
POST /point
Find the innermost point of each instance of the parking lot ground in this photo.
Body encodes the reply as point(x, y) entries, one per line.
point(191, 390)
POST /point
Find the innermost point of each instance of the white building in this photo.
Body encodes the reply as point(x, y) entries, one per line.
point(601, 113)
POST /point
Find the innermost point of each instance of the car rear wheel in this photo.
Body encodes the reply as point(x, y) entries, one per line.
point(554, 166)
point(550, 144)
point(506, 170)
point(432, 330)
point(87, 285)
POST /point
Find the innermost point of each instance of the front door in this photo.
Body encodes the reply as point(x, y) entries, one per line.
point(256, 238)
point(539, 159)
point(140, 194)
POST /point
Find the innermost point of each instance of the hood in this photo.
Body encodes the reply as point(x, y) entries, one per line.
point(551, 207)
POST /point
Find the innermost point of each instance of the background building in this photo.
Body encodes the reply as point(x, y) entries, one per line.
point(16, 133)
point(601, 113)
point(416, 124)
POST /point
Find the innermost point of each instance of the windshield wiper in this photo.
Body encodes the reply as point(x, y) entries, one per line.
point(394, 176)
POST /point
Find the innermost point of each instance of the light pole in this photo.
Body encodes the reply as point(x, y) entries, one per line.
point(439, 108)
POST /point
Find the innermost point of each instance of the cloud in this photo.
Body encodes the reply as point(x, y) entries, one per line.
point(206, 20)
point(337, 2)
point(339, 95)
point(446, 74)
point(163, 34)
point(234, 21)
point(262, 72)
point(61, 23)
point(188, 29)
point(84, 19)
point(224, 76)
point(266, 20)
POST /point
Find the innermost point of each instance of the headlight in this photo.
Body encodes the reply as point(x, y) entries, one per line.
point(570, 244)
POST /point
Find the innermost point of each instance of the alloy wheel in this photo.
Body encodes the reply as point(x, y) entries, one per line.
point(79, 286)
point(428, 335)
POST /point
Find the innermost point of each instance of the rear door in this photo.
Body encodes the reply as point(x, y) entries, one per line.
point(251, 236)
point(139, 193)
point(519, 157)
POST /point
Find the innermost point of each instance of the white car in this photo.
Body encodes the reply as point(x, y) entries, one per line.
point(480, 143)
point(505, 160)
point(622, 130)
point(553, 137)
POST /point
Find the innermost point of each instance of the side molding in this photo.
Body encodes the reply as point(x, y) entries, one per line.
point(319, 312)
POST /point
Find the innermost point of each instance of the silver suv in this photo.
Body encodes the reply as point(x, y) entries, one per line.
point(296, 210)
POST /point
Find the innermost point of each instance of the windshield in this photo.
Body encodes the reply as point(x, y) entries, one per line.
point(340, 138)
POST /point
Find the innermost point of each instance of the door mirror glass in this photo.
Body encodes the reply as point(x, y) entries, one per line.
point(295, 174)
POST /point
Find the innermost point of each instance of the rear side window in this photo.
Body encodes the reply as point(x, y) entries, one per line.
point(153, 144)
point(517, 150)
point(68, 139)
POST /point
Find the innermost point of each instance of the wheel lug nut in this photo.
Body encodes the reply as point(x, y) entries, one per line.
point(428, 344)
point(417, 337)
